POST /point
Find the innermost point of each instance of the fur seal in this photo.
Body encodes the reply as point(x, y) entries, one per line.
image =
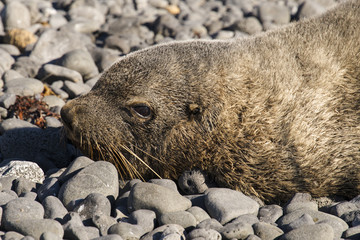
point(268, 115)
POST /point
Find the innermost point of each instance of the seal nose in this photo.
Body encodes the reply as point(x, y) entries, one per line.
point(66, 115)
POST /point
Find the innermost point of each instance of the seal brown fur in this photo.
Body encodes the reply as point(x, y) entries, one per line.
point(269, 115)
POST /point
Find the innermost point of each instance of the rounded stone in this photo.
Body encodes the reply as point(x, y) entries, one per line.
point(76, 89)
point(80, 61)
point(16, 15)
point(165, 183)
point(51, 72)
point(225, 204)
point(19, 168)
point(157, 198)
point(270, 213)
point(316, 231)
point(208, 234)
point(166, 232)
point(317, 216)
point(99, 177)
point(210, 223)
point(144, 218)
point(236, 230)
point(24, 86)
point(6, 197)
point(75, 166)
point(199, 214)
point(127, 230)
point(20, 209)
point(54, 209)
point(182, 218)
point(266, 231)
point(93, 204)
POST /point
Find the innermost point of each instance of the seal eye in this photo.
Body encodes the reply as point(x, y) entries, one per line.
point(142, 111)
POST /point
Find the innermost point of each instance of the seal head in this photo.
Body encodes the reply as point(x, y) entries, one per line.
point(268, 115)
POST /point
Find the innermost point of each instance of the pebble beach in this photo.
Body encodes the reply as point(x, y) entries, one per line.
point(52, 51)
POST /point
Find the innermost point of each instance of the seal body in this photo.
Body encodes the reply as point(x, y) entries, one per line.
point(268, 115)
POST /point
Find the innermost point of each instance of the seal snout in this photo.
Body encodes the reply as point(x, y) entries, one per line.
point(67, 115)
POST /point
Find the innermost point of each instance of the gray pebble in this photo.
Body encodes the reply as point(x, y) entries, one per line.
point(24, 86)
point(337, 227)
point(22, 185)
point(157, 198)
point(50, 187)
point(342, 208)
point(6, 61)
point(7, 100)
point(210, 224)
point(246, 218)
point(356, 220)
point(49, 236)
point(266, 231)
point(109, 237)
point(356, 201)
point(3, 112)
point(25, 169)
point(37, 227)
point(51, 72)
point(6, 197)
point(87, 13)
point(236, 230)
point(207, 234)
point(253, 237)
point(270, 12)
point(304, 220)
point(80, 61)
point(53, 207)
point(165, 183)
point(314, 232)
point(226, 204)
point(11, 49)
point(296, 205)
point(75, 166)
point(53, 101)
point(29, 195)
point(144, 218)
point(16, 15)
point(317, 216)
point(11, 74)
point(6, 184)
point(164, 230)
point(127, 230)
point(119, 43)
point(26, 66)
point(28, 238)
point(199, 214)
point(76, 89)
point(98, 177)
point(249, 25)
point(93, 204)
point(182, 218)
point(53, 44)
point(11, 235)
point(352, 233)
point(57, 20)
point(52, 122)
point(309, 9)
point(270, 213)
point(14, 123)
point(20, 209)
point(103, 223)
